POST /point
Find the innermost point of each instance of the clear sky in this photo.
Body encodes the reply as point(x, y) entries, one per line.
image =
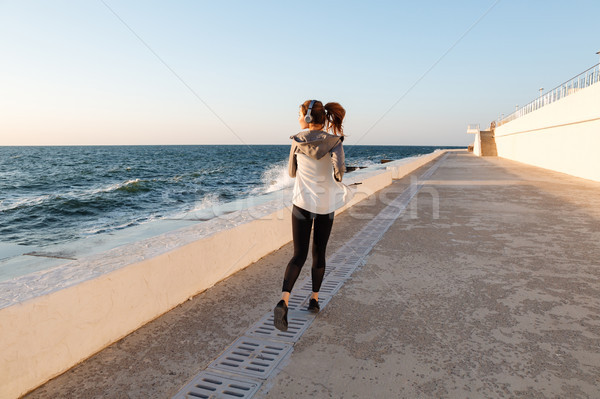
point(234, 72)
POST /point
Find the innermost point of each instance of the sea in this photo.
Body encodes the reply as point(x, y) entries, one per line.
point(55, 195)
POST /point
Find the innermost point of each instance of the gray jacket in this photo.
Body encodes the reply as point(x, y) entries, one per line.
point(316, 144)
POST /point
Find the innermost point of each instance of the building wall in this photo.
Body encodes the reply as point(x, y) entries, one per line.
point(563, 136)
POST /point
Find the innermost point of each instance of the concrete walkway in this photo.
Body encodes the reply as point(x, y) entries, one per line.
point(487, 286)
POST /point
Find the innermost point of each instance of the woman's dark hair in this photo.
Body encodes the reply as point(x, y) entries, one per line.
point(331, 115)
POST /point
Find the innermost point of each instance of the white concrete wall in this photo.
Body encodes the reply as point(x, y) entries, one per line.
point(563, 136)
point(45, 335)
point(401, 168)
point(477, 144)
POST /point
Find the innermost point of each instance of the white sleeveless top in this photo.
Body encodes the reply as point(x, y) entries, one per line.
point(315, 189)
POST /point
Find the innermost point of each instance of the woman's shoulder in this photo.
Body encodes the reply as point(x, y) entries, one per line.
point(334, 136)
point(314, 134)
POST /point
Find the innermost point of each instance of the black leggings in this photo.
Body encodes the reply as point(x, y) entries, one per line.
point(302, 221)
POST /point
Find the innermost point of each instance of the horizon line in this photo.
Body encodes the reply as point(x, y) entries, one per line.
point(190, 145)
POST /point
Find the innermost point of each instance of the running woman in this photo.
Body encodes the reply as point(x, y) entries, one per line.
point(317, 162)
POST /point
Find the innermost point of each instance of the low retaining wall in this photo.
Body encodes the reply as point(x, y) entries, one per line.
point(563, 136)
point(45, 330)
point(403, 167)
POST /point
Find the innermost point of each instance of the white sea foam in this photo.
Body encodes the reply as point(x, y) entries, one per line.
point(104, 189)
point(367, 163)
point(205, 208)
point(114, 187)
point(208, 201)
point(274, 179)
point(104, 226)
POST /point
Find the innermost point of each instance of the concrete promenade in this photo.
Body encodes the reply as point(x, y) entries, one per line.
point(487, 286)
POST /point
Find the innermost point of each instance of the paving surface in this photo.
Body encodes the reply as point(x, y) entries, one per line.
point(487, 286)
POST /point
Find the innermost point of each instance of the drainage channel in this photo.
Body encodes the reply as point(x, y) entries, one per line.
point(243, 367)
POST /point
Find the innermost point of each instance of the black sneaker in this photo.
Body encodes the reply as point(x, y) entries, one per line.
point(280, 316)
point(313, 306)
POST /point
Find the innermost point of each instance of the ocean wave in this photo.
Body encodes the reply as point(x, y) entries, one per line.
point(134, 186)
point(116, 186)
point(209, 200)
point(130, 186)
point(274, 178)
point(23, 203)
point(74, 198)
point(204, 206)
point(115, 222)
point(363, 162)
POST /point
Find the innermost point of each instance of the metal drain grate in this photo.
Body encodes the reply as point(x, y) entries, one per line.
point(342, 272)
point(303, 287)
point(209, 385)
point(297, 299)
point(337, 258)
point(354, 259)
point(364, 249)
point(298, 322)
point(328, 286)
point(252, 357)
point(323, 301)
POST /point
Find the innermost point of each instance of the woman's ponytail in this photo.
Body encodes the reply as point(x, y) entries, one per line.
point(335, 115)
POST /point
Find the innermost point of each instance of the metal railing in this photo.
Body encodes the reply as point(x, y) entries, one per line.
point(473, 128)
point(581, 81)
